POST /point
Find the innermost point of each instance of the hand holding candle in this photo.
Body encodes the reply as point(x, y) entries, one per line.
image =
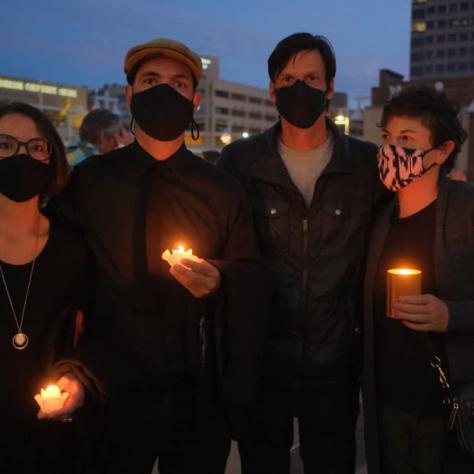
point(51, 399)
point(199, 277)
point(176, 255)
point(61, 399)
point(401, 282)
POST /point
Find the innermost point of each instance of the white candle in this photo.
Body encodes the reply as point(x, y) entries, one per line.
point(176, 255)
point(51, 399)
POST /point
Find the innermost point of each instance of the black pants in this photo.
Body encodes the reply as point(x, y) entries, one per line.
point(139, 431)
point(412, 444)
point(327, 419)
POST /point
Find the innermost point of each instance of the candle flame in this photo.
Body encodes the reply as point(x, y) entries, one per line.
point(404, 271)
point(51, 391)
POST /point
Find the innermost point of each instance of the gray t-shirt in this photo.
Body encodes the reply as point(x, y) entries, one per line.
point(305, 167)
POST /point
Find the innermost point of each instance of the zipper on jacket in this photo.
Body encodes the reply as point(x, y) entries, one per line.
point(304, 293)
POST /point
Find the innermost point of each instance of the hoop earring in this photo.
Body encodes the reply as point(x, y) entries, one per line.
point(194, 130)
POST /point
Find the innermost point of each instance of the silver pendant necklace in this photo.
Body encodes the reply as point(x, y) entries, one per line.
point(20, 339)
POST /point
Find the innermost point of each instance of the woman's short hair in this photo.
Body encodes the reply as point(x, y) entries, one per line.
point(436, 112)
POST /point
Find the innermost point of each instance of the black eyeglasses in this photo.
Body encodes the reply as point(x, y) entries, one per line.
point(37, 148)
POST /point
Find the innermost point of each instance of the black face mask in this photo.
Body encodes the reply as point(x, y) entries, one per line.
point(161, 112)
point(22, 177)
point(300, 104)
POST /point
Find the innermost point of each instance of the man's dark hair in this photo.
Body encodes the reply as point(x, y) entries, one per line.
point(436, 112)
point(293, 44)
point(46, 128)
point(96, 122)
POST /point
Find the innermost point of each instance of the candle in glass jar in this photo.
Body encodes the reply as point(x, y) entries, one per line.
point(401, 282)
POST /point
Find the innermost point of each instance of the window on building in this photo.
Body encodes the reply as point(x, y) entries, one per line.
point(201, 126)
point(416, 71)
point(440, 53)
point(416, 42)
point(464, 6)
point(452, 52)
point(463, 51)
point(417, 56)
point(255, 100)
point(220, 93)
point(430, 25)
point(441, 8)
point(222, 111)
point(440, 38)
point(462, 67)
point(464, 21)
point(429, 40)
point(428, 54)
point(441, 24)
point(255, 115)
point(270, 117)
point(221, 126)
point(463, 36)
point(428, 69)
point(430, 10)
point(452, 67)
point(440, 68)
point(471, 65)
point(240, 97)
point(419, 13)
point(269, 103)
point(453, 7)
point(238, 128)
point(452, 37)
point(238, 113)
point(454, 22)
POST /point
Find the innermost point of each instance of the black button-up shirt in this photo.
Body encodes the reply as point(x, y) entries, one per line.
point(130, 209)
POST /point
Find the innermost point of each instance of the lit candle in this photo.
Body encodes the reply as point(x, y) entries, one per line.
point(401, 282)
point(51, 399)
point(176, 255)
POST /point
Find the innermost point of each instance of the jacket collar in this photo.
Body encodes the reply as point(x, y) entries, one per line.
point(272, 167)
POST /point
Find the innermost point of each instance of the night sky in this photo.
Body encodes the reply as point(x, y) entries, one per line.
point(83, 42)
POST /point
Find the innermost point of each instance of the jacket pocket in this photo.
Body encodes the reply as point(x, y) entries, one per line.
point(344, 223)
point(272, 220)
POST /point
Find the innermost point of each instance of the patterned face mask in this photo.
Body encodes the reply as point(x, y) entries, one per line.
point(399, 166)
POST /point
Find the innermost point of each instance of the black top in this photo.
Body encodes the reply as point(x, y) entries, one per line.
point(404, 376)
point(55, 294)
point(131, 208)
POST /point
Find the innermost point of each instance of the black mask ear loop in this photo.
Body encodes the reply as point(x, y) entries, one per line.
point(194, 130)
point(132, 126)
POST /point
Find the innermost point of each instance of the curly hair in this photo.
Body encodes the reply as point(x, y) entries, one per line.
point(436, 112)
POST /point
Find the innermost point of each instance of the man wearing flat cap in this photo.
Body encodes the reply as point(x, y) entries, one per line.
point(173, 348)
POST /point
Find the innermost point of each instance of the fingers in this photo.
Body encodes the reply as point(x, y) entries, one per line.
point(416, 299)
point(419, 327)
point(198, 284)
point(202, 267)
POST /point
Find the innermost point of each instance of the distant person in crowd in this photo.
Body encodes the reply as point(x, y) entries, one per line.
point(100, 133)
point(42, 267)
point(174, 349)
point(427, 226)
point(314, 192)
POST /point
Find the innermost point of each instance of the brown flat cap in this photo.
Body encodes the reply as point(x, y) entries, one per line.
point(162, 47)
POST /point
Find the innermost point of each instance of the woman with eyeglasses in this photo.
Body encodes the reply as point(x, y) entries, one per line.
point(41, 272)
